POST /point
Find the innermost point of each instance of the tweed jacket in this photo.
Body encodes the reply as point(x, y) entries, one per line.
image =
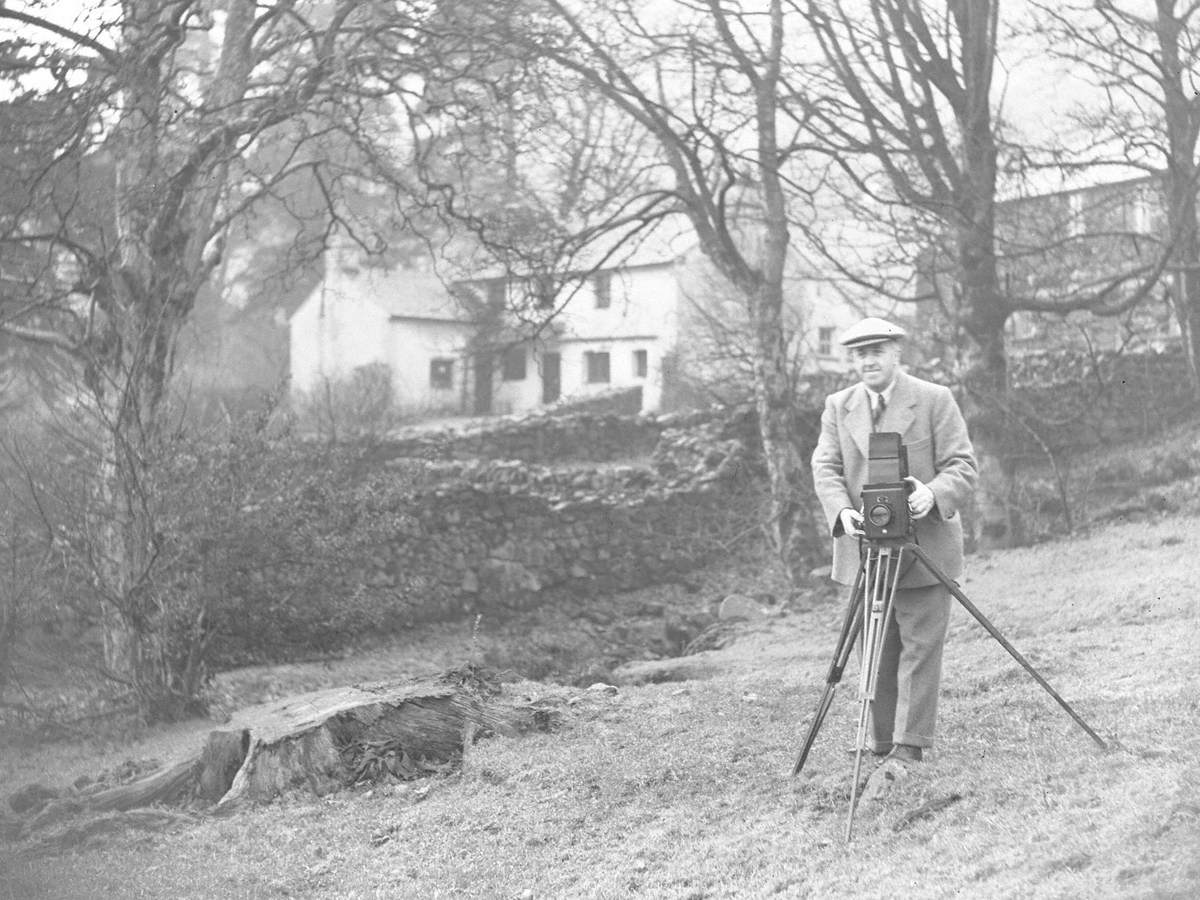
point(939, 454)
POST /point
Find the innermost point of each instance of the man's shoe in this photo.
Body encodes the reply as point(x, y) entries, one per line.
point(907, 752)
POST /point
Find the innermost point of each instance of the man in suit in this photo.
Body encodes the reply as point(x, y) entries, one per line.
point(942, 476)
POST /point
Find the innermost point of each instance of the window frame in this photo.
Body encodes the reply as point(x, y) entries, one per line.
point(509, 356)
point(602, 289)
point(825, 340)
point(592, 371)
point(446, 375)
point(641, 363)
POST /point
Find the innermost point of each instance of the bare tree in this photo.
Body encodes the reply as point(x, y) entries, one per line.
point(137, 139)
point(906, 109)
point(688, 124)
point(902, 99)
point(1144, 115)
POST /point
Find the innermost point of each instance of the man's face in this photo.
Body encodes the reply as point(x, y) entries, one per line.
point(876, 364)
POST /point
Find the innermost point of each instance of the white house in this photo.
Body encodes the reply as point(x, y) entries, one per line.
point(639, 323)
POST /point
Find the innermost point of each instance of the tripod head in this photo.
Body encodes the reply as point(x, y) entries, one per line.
point(885, 495)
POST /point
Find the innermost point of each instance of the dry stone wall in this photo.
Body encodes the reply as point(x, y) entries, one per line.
point(510, 534)
point(588, 435)
point(579, 437)
point(1083, 401)
point(504, 527)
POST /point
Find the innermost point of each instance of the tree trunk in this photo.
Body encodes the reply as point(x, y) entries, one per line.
point(144, 295)
point(1182, 126)
point(994, 521)
point(986, 308)
point(774, 401)
point(792, 527)
point(1185, 263)
point(123, 533)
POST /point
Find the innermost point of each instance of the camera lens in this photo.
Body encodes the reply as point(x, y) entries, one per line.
point(880, 514)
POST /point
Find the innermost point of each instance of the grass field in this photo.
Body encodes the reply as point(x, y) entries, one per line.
point(684, 790)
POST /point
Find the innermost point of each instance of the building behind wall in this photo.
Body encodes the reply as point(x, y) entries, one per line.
point(659, 321)
point(461, 350)
point(1057, 249)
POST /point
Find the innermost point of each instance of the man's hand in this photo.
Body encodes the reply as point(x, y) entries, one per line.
point(851, 522)
point(920, 499)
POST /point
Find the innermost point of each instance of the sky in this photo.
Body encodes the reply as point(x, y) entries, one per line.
point(1035, 92)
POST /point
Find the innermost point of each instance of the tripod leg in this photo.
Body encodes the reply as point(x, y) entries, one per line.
point(863, 714)
point(994, 632)
point(882, 580)
point(889, 580)
point(851, 626)
point(870, 629)
point(851, 621)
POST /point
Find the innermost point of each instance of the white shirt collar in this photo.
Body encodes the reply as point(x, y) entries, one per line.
point(886, 392)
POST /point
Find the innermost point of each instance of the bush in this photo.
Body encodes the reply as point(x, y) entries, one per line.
point(261, 531)
point(362, 405)
point(249, 531)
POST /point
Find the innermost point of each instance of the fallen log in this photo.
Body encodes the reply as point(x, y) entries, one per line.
point(90, 830)
point(168, 785)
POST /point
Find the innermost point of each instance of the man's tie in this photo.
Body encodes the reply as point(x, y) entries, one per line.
point(877, 411)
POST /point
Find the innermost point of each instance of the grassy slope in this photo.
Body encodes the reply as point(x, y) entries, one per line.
point(682, 790)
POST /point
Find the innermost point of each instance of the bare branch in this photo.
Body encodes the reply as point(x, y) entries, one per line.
point(110, 56)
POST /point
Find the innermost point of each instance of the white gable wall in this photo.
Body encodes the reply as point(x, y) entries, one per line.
point(331, 334)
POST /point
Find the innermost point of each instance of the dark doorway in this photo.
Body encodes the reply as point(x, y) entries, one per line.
point(483, 384)
point(551, 377)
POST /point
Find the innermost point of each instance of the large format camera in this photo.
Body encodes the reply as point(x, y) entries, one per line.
point(885, 495)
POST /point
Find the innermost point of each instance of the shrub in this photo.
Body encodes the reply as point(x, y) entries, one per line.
point(249, 533)
point(362, 405)
point(262, 529)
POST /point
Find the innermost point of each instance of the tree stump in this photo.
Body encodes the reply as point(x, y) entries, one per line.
point(329, 739)
point(318, 742)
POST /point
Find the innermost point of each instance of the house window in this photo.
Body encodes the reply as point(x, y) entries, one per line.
point(1139, 216)
point(1075, 212)
point(512, 366)
point(441, 374)
point(597, 368)
point(602, 284)
point(543, 291)
point(824, 342)
point(640, 363)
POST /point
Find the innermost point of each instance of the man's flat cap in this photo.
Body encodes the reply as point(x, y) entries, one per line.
point(871, 331)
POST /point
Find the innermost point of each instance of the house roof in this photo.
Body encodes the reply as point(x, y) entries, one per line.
point(663, 245)
point(1039, 186)
point(402, 293)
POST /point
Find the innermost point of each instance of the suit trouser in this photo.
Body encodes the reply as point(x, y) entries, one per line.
point(910, 670)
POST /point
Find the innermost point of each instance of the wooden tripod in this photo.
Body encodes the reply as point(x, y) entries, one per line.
point(868, 614)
